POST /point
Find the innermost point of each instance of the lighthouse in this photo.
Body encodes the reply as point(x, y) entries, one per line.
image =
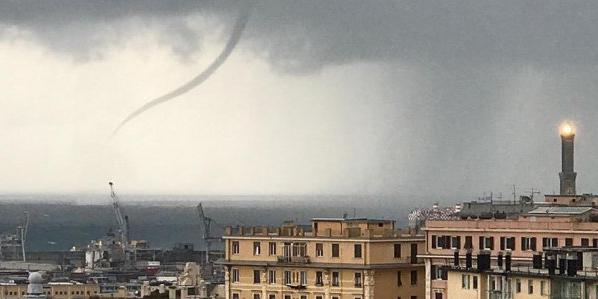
point(567, 175)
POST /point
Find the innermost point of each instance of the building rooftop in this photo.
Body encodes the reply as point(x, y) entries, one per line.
point(564, 211)
point(365, 220)
point(362, 228)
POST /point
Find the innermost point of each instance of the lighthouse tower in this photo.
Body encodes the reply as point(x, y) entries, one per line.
point(567, 174)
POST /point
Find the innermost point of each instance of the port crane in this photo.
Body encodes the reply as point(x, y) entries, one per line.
point(24, 229)
point(206, 225)
point(123, 222)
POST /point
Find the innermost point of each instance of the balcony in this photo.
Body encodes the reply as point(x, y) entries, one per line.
point(409, 260)
point(293, 259)
point(297, 286)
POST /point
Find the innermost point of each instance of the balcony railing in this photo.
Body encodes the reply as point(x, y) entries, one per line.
point(293, 259)
point(295, 285)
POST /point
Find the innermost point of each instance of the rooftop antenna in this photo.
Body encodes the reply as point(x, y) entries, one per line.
point(514, 194)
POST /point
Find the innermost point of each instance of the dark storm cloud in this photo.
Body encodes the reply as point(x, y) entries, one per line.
point(84, 30)
point(491, 79)
point(303, 36)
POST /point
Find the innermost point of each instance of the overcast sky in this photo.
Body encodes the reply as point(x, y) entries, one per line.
point(451, 98)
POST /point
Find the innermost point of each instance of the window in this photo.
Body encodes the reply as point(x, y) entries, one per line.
point(528, 243)
point(413, 297)
point(543, 288)
point(358, 279)
point(319, 297)
point(299, 249)
point(399, 281)
point(335, 279)
point(235, 296)
point(319, 280)
point(530, 286)
point(272, 276)
point(413, 278)
point(357, 250)
point(303, 297)
point(303, 278)
point(486, 243)
point(236, 248)
point(256, 248)
point(550, 242)
point(397, 251)
point(468, 243)
point(441, 242)
point(585, 242)
point(456, 242)
point(595, 243)
point(287, 277)
point(256, 276)
point(287, 296)
point(319, 249)
point(568, 241)
point(335, 297)
point(507, 243)
point(272, 296)
point(235, 275)
point(465, 281)
point(256, 296)
point(272, 248)
point(518, 286)
point(335, 250)
point(494, 283)
point(475, 282)
point(413, 254)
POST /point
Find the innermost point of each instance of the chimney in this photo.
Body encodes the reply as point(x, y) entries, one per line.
point(483, 260)
point(456, 258)
point(468, 259)
point(551, 264)
point(537, 261)
point(567, 174)
point(571, 264)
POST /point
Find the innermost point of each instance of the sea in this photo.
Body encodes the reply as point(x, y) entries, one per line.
point(63, 221)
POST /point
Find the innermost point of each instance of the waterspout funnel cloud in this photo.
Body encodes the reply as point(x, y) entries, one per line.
point(237, 31)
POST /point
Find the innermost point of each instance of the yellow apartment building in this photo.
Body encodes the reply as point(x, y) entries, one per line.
point(333, 258)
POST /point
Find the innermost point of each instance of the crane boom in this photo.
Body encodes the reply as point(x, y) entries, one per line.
point(24, 230)
point(206, 226)
point(122, 223)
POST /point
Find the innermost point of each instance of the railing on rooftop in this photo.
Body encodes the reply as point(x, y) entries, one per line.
point(525, 269)
point(293, 259)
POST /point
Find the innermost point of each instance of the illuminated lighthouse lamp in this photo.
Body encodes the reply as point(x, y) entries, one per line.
point(567, 129)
